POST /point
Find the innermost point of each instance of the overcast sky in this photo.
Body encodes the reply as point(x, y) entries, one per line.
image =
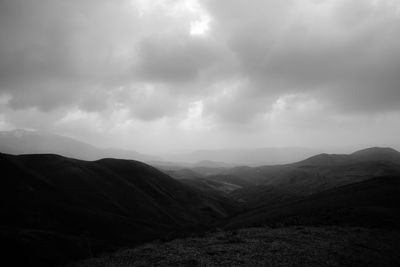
point(159, 76)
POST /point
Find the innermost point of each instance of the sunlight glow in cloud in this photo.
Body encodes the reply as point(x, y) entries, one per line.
point(194, 118)
point(201, 26)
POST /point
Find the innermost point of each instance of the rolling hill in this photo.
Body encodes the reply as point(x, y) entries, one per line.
point(364, 155)
point(352, 225)
point(323, 171)
point(370, 203)
point(56, 209)
point(267, 185)
point(54, 206)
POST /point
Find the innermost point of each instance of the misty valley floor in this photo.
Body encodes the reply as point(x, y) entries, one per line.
point(264, 246)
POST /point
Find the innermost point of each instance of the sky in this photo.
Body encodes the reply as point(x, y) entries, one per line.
point(161, 76)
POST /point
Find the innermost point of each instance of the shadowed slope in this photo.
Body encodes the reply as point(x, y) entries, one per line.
point(260, 195)
point(115, 200)
point(375, 202)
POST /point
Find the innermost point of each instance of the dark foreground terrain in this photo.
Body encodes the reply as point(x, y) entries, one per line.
point(328, 210)
point(56, 209)
point(293, 246)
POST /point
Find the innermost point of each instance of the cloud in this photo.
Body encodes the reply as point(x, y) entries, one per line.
point(53, 51)
point(346, 49)
point(153, 62)
point(173, 59)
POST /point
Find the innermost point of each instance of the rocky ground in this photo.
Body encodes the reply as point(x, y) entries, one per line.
point(290, 246)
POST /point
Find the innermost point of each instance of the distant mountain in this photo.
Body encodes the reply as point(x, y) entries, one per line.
point(326, 160)
point(37, 142)
point(370, 203)
point(369, 154)
point(57, 208)
point(211, 164)
point(266, 185)
point(323, 171)
point(251, 157)
point(377, 153)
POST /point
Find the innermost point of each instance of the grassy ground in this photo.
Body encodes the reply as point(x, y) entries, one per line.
point(291, 246)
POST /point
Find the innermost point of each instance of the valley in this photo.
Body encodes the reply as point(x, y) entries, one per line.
point(58, 210)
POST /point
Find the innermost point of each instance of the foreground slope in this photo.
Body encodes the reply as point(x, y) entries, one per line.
point(294, 246)
point(55, 206)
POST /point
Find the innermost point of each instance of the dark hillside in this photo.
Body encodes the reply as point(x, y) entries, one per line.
point(232, 179)
point(261, 195)
point(46, 198)
point(372, 203)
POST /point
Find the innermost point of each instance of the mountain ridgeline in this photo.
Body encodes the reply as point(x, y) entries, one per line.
point(323, 171)
point(22, 141)
point(57, 209)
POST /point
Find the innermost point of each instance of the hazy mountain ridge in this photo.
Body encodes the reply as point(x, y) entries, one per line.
point(271, 184)
point(251, 157)
point(22, 141)
point(323, 171)
point(368, 154)
point(37, 142)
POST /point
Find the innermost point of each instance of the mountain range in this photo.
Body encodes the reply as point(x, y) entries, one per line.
point(58, 209)
point(250, 157)
point(22, 141)
point(322, 171)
